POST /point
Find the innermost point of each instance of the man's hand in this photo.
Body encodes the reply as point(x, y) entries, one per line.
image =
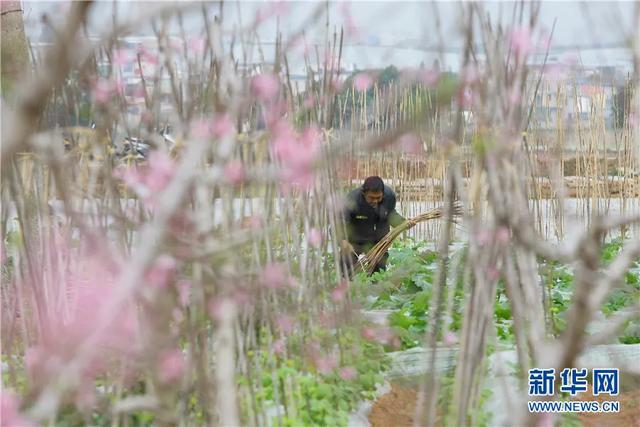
point(411, 222)
point(346, 247)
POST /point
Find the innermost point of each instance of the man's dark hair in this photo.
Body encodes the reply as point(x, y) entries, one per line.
point(373, 183)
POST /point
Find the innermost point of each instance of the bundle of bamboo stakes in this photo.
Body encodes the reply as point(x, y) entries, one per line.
point(373, 257)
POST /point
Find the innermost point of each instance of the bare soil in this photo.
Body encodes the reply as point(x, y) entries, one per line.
point(396, 409)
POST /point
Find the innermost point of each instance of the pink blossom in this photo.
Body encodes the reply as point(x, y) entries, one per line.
point(465, 98)
point(91, 278)
point(201, 128)
point(514, 97)
point(369, 334)
point(196, 45)
point(102, 91)
point(33, 360)
point(450, 338)
point(503, 235)
point(274, 276)
point(410, 144)
point(147, 56)
point(293, 283)
point(279, 346)
point(493, 274)
point(336, 85)
point(351, 29)
point(570, 59)
point(348, 373)
point(215, 307)
point(254, 222)
point(297, 155)
point(545, 41)
point(242, 297)
point(234, 172)
point(325, 365)
point(339, 292)
point(176, 45)
point(309, 101)
point(161, 272)
point(470, 75)
point(265, 86)
point(546, 419)
point(122, 57)
point(362, 82)
point(171, 366)
point(85, 397)
point(315, 237)
point(146, 117)
point(429, 77)
point(554, 73)
point(177, 315)
point(277, 8)
point(521, 42)
point(161, 169)
point(222, 126)
point(383, 335)
point(285, 324)
point(9, 408)
point(484, 237)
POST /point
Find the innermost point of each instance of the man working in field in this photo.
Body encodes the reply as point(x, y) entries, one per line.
point(369, 212)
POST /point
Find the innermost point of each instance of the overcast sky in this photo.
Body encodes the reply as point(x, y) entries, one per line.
point(386, 22)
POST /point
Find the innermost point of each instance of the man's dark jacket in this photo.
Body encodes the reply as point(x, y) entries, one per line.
point(366, 224)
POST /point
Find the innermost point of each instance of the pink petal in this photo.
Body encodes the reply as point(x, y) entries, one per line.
point(161, 272)
point(315, 237)
point(309, 101)
point(222, 126)
point(521, 42)
point(102, 91)
point(161, 169)
point(429, 77)
point(362, 82)
point(171, 366)
point(279, 346)
point(410, 144)
point(274, 276)
point(325, 365)
point(450, 338)
point(484, 237)
point(470, 75)
point(196, 45)
point(503, 235)
point(201, 128)
point(265, 86)
point(9, 408)
point(122, 57)
point(234, 172)
point(285, 324)
point(348, 373)
point(339, 292)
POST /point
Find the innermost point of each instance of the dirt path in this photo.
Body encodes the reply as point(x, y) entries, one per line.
point(396, 409)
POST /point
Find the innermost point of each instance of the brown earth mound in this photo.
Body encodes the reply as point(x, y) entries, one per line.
point(396, 409)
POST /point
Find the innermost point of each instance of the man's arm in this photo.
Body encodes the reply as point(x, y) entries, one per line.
point(395, 219)
point(344, 233)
